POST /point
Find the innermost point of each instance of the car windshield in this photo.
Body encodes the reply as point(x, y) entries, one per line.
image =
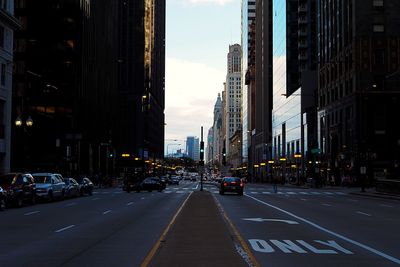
point(232, 179)
point(42, 179)
point(7, 179)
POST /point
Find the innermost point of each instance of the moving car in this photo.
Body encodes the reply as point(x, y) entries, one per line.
point(231, 184)
point(150, 184)
point(49, 186)
point(19, 188)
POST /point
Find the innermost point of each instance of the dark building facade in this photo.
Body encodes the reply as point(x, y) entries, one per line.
point(358, 80)
point(91, 76)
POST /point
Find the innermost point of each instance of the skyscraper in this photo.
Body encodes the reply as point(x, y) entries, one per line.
point(193, 148)
point(233, 93)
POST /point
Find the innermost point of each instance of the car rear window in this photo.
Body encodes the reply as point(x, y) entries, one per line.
point(42, 179)
point(232, 179)
point(6, 179)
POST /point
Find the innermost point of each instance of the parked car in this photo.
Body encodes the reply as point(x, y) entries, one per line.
point(86, 186)
point(72, 188)
point(2, 199)
point(49, 186)
point(231, 184)
point(175, 180)
point(150, 184)
point(19, 188)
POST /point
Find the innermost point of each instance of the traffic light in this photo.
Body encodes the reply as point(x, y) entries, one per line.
point(201, 150)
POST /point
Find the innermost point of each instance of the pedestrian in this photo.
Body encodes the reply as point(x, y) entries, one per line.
point(275, 184)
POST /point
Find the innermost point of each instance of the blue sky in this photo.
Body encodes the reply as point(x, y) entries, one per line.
point(198, 36)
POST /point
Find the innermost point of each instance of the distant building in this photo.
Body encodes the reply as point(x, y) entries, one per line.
point(193, 148)
point(210, 146)
point(217, 131)
point(233, 94)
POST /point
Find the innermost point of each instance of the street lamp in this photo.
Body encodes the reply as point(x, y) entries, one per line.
point(297, 156)
point(283, 168)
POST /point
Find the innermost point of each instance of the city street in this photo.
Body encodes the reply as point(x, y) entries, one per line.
point(315, 227)
point(295, 227)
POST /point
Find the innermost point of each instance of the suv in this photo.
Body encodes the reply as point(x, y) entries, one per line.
point(18, 187)
point(49, 186)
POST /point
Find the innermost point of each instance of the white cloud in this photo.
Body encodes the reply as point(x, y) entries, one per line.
point(191, 91)
point(203, 2)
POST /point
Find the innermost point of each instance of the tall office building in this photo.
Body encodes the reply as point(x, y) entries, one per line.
point(248, 71)
point(218, 130)
point(233, 93)
point(8, 23)
point(358, 94)
point(93, 71)
point(193, 148)
point(261, 122)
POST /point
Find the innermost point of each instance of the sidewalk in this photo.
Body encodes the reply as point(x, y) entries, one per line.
point(199, 237)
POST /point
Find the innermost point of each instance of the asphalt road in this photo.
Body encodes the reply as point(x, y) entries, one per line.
point(296, 227)
point(315, 227)
point(110, 228)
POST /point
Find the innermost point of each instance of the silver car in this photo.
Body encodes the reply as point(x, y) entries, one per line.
point(49, 186)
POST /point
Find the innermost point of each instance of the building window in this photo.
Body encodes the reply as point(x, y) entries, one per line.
point(379, 28)
point(2, 36)
point(3, 75)
point(378, 3)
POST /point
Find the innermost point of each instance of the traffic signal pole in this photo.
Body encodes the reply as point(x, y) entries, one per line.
point(201, 159)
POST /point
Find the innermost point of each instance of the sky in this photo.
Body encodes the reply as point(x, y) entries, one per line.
point(198, 35)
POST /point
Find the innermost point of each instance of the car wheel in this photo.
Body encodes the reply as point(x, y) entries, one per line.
point(19, 201)
point(50, 196)
point(2, 204)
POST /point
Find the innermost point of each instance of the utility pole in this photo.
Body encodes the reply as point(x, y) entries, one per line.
point(201, 160)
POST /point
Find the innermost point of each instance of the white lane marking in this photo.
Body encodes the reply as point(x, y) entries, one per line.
point(267, 193)
point(96, 198)
point(31, 213)
point(167, 192)
point(176, 188)
point(253, 192)
point(71, 204)
point(303, 199)
point(315, 193)
point(142, 198)
point(387, 206)
point(328, 193)
point(130, 203)
point(197, 186)
point(291, 193)
point(215, 192)
point(180, 192)
point(363, 213)
point(370, 249)
point(269, 220)
point(340, 193)
point(65, 228)
point(328, 205)
point(185, 188)
point(107, 211)
point(304, 193)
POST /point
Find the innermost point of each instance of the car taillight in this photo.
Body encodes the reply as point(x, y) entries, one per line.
point(241, 184)
point(225, 184)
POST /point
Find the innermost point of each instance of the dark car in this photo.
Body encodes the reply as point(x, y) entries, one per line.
point(2, 199)
point(86, 186)
point(150, 184)
point(231, 184)
point(72, 188)
point(175, 180)
point(19, 188)
point(131, 183)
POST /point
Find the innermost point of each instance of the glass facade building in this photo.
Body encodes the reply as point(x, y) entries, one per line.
point(286, 114)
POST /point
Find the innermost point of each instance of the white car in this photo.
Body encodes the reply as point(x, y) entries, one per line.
point(49, 185)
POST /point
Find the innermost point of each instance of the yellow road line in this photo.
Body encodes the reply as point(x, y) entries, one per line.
point(153, 251)
point(243, 244)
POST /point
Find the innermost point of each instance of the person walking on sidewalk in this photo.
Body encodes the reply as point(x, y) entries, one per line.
point(275, 184)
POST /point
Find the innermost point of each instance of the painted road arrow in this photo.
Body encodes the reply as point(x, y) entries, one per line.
point(269, 220)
